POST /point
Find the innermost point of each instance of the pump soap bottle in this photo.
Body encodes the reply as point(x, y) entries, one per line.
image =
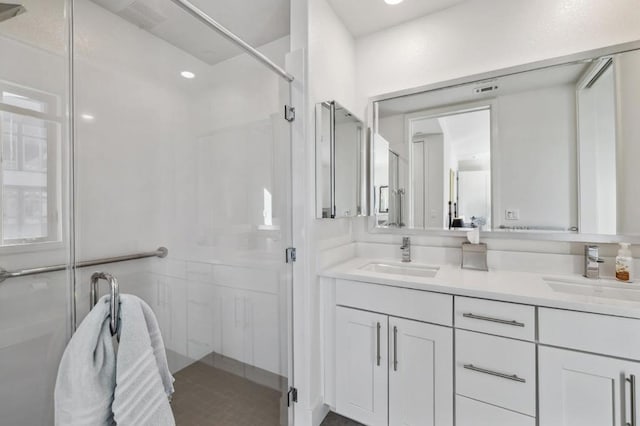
point(624, 263)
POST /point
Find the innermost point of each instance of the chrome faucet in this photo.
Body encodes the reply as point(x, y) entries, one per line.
point(592, 261)
point(406, 249)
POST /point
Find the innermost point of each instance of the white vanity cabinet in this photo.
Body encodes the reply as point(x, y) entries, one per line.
point(420, 369)
point(391, 370)
point(588, 389)
point(495, 372)
point(585, 389)
point(401, 356)
point(361, 366)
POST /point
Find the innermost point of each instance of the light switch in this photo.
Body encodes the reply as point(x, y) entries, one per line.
point(512, 214)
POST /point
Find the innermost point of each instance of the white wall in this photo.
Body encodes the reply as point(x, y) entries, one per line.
point(479, 36)
point(534, 158)
point(331, 65)
point(483, 35)
point(329, 74)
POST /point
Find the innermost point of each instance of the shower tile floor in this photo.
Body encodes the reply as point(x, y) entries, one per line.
point(210, 396)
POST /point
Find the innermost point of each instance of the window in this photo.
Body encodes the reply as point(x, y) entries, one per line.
point(30, 131)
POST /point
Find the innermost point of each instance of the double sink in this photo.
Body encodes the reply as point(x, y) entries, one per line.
point(604, 288)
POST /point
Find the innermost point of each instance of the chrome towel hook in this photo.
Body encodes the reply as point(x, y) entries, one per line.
point(115, 297)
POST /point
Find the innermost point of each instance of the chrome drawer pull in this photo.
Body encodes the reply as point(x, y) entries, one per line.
point(632, 383)
point(513, 377)
point(498, 320)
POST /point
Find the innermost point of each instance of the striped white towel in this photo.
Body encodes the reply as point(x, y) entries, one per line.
point(87, 373)
point(143, 380)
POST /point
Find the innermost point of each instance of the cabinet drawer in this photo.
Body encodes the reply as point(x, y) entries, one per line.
point(470, 412)
point(500, 318)
point(496, 370)
point(401, 302)
point(601, 334)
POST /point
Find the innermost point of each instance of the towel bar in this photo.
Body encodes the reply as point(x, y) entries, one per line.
point(4, 274)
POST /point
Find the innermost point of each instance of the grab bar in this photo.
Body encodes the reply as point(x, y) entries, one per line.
point(115, 298)
point(4, 274)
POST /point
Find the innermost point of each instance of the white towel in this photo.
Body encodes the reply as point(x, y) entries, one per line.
point(87, 373)
point(143, 380)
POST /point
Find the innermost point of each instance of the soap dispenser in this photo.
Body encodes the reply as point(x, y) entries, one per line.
point(624, 263)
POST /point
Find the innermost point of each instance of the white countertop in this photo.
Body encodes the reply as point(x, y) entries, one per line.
point(509, 286)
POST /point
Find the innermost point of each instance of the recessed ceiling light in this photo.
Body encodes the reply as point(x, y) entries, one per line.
point(393, 1)
point(187, 74)
point(87, 117)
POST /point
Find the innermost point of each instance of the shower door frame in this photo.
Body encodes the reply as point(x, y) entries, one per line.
point(290, 394)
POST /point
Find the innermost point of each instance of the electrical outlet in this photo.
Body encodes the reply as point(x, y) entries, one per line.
point(512, 214)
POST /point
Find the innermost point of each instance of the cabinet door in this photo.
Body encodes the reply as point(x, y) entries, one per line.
point(361, 366)
point(420, 374)
point(578, 389)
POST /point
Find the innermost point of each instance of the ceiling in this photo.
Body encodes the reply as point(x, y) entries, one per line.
point(258, 22)
point(468, 133)
point(364, 17)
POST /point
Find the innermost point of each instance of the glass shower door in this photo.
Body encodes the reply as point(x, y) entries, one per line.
point(181, 142)
point(34, 309)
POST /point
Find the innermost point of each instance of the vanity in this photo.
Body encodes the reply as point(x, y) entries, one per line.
point(545, 151)
point(407, 344)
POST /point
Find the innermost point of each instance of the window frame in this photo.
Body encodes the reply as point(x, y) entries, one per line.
point(55, 128)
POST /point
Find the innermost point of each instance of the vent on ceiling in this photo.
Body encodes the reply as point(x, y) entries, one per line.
point(485, 89)
point(143, 13)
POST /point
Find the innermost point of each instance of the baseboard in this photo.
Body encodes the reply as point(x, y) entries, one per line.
point(318, 413)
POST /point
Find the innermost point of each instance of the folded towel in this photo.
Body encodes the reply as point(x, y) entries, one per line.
point(143, 380)
point(87, 373)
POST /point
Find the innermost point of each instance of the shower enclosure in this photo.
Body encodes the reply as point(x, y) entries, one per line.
point(129, 125)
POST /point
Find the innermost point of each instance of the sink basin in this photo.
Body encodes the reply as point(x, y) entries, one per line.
point(609, 289)
point(402, 269)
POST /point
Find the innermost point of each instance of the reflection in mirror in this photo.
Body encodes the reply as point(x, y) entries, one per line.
point(551, 149)
point(339, 143)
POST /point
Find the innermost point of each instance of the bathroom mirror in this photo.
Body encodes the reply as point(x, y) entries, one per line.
point(549, 149)
point(339, 144)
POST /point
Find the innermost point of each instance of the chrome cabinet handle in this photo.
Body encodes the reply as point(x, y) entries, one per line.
point(632, 393)
point(498, 320)
point(378, 343)
point(513, 377)
point(395, 348)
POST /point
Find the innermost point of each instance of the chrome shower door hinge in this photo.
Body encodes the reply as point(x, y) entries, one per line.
point(290, 254)
point(289, 113)
point(292, 396)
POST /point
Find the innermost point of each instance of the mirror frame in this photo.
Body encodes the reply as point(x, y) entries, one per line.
point(372, 107)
